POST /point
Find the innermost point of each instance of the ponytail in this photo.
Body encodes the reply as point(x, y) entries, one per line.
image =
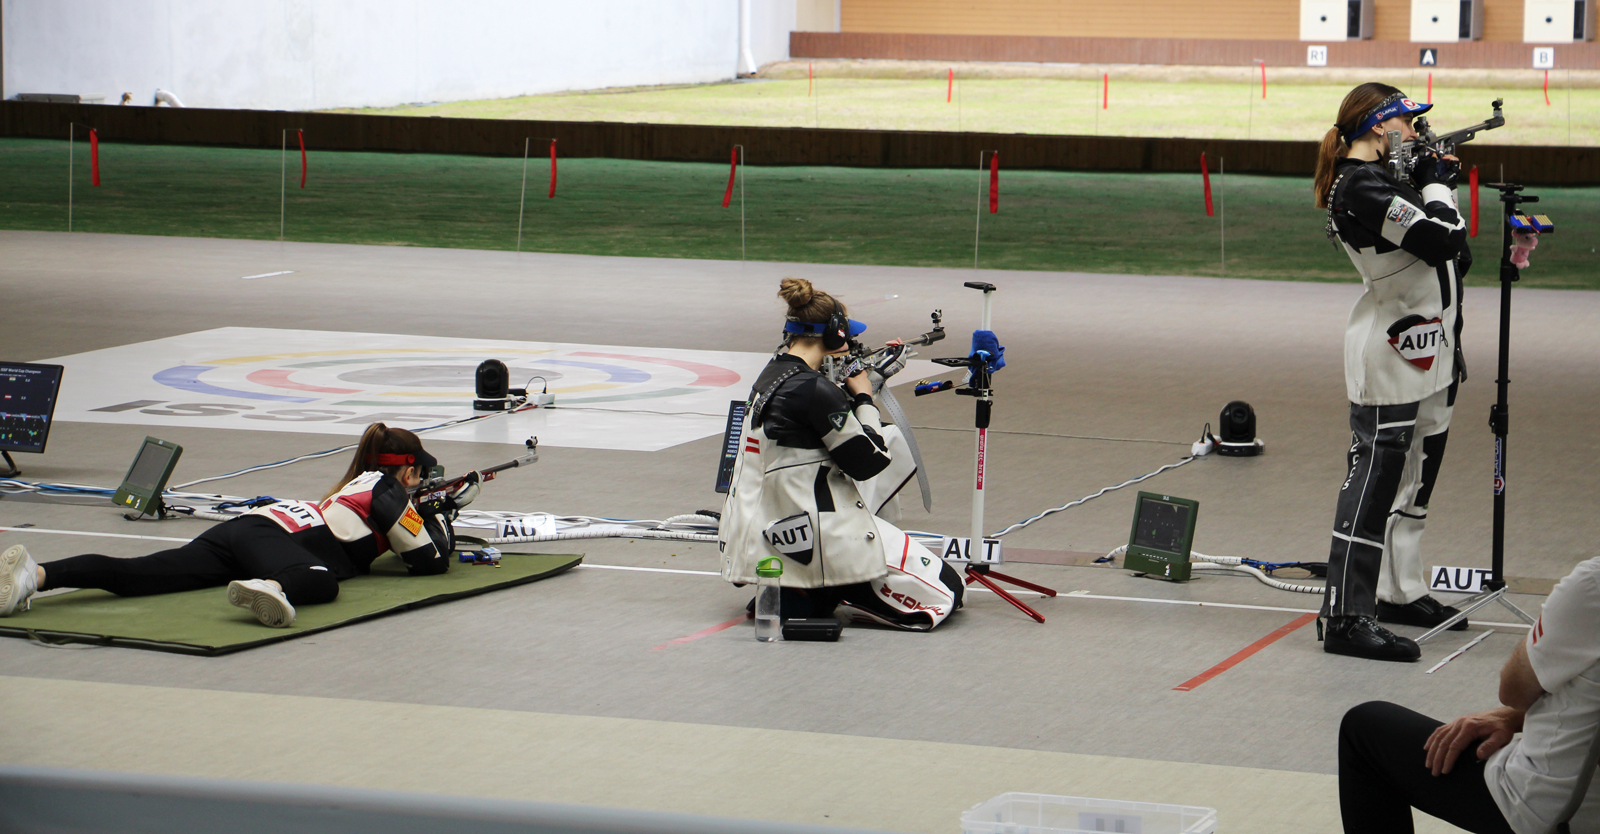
point(1356, 105)
point(377, 440)
point(1329, 153)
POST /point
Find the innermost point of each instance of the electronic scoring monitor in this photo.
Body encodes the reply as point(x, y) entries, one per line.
point(1163, 530)
point(28, 395)
point(147, 478)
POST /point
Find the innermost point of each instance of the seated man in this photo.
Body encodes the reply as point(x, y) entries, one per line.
point(1392, 759)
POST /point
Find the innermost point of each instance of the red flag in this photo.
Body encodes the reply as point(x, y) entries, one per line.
point(1472, 180)
point(1105, 93)
point(1547, 88)
point(1205, 177)
point(950, 87)
point(1430, 88)
point(1264, 79)
point(994, 183)
point(727, 196)
point(94, 157)
point(552, 168)
point(301, 135)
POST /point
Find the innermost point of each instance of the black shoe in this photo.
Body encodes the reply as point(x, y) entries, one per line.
point(1426, 612)
point(1363, 637)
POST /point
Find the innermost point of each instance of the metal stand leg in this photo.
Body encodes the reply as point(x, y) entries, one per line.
point(13, 471)
point(1472, 604)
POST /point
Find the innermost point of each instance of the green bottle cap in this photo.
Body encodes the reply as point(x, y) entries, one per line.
point(770, 566)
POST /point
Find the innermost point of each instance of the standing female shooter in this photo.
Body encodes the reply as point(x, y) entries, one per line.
point(815, 473)
point(1402, 361)
point(284, 554)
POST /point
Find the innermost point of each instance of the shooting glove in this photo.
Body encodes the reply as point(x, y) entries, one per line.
point(464, 494)
point(893, 361)
point(1432, 169)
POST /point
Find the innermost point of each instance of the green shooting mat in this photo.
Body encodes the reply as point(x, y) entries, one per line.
point(203, 623)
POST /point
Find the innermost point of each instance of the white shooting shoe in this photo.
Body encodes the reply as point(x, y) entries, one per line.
point(19, 580)
point(264, 600)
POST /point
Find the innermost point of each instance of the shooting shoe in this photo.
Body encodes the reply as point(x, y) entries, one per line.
point(1426, 612)
point(1363, 637)
point(264, 600)
point(19, 580)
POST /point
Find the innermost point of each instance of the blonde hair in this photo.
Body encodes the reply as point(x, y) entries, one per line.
point(1357, 104)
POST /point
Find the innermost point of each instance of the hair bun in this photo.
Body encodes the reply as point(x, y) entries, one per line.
point(798, 292)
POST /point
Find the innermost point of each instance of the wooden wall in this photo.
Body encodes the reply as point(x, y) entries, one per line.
point(1222, 19)
point(1187, 51)
point(765, 145)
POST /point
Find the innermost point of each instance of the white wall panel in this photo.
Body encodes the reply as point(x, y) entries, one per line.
point(312, 54)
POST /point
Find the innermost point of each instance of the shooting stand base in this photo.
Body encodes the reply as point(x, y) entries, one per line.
point(1473, 603)
point(982, 575)
point(12, 471)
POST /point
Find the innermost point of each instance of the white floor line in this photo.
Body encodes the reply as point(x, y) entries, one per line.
point(267, 275)
point(651, 570)
point(99, 535)
point(1072, 594)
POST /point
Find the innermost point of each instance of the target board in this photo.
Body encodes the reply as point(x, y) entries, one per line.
point(258, 379)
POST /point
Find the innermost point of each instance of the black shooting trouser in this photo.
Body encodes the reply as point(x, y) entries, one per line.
point(248, 547)
point(1383, 774)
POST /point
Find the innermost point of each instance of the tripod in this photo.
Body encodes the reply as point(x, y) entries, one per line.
point(1494, 589)
point(977, 387)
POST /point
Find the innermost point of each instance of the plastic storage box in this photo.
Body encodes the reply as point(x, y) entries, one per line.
point(1037, 813)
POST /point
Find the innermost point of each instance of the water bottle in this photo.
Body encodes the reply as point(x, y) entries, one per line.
point(768, 593)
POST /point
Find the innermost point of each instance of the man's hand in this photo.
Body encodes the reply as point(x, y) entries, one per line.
point(858, 383)
point(1495, 728)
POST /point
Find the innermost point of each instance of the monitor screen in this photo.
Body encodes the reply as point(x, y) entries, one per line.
point(149, 467)
point(27, 405)
point(1161, 525)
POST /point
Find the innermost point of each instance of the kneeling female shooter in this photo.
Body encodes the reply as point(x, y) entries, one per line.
point(815, 471)
point(1402, 361)
point(284, 554)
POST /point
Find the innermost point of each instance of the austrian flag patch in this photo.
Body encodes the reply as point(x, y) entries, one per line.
point(411, 521)
point(1417, 339)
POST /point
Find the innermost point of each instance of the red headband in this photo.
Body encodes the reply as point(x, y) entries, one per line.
point(387, 459)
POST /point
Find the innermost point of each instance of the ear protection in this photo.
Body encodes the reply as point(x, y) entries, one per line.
point(835, 333)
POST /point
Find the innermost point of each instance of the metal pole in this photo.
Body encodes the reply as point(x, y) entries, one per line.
point(70, 128)
point(1222, 210)
point(283, 180)
point(1499, 418)
point(523, 200)
point(977, 227)
point(742, 163)
point(981, 465)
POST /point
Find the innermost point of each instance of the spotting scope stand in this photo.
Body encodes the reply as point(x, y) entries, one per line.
point(978, 388)
point(1494, 589)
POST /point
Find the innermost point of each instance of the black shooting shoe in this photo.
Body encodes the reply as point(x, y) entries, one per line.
point(1426, 612)
point(1363, 637)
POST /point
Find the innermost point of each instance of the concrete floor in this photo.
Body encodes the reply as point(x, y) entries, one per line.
point(1109, 377)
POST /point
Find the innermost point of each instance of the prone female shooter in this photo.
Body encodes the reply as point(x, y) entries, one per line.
point(284, 554)
point(816, 472)
point(1402, 360)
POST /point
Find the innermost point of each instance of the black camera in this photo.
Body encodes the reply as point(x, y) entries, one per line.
point(1237, 427)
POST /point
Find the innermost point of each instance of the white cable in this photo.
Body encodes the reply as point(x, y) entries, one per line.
point(1053, 510)
point(1204, 561)
point(614, 533)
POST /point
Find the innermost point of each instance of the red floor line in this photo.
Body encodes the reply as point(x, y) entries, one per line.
point(704, 632)
point(1242, 654)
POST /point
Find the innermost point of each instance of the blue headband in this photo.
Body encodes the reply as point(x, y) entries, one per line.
point(810, 328)
point(1395, 105)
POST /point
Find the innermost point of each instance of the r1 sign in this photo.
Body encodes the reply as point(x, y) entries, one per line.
point(1316, 56)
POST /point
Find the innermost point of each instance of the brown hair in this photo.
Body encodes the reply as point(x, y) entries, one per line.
point(378, 439)
point(1357, 104)
point(807, 303)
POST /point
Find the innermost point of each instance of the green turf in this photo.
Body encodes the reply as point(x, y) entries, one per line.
point(1197, 108)
point(1088, 222)
point(202, 622)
